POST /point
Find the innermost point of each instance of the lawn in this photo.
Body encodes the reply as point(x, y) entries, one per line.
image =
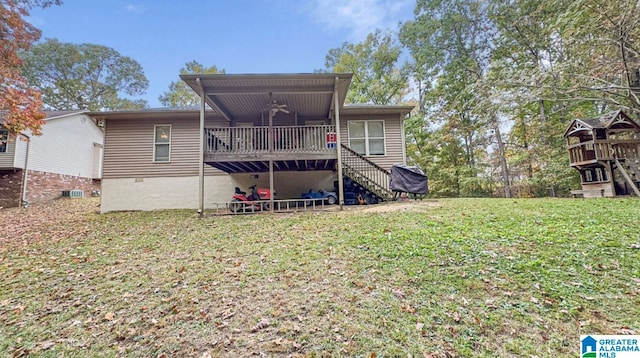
point(446, 278)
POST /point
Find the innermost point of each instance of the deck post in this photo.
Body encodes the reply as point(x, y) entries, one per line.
point(271, 208)
point(336, 114)
point(271, 139)
point(201, 153)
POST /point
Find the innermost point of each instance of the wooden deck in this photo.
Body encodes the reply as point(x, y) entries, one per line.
point(592, 151)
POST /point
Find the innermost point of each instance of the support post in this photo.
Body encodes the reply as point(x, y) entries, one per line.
point(336, 114)
point(271, 146)
point(201, 153)
point(271, 206)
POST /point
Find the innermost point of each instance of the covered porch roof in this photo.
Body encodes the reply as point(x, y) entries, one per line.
point(238, 96)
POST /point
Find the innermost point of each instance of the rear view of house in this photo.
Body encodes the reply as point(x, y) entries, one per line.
point(287, 132)
point(67, 156)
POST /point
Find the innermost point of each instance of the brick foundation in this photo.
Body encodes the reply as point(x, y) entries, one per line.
point(43, 186)
point(10, 188)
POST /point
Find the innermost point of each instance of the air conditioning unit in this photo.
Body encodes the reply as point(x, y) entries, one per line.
point(72, 193)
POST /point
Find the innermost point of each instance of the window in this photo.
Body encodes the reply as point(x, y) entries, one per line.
point(367, 137)
point(4, 138)
point(162, 143)
point(594, 175)
point(588, 177)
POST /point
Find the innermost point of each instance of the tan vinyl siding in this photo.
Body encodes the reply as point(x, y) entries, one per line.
point(128, 150)
point(393, 138)
point(16, 154)
point(7, 158)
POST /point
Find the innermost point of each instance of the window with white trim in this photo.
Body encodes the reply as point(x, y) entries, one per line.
point(162, 143)
point(367, 137)
point(4, 139)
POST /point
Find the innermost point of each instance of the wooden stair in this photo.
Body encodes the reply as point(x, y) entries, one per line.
point(366, 173)
point(630, 173)
point(215, 143)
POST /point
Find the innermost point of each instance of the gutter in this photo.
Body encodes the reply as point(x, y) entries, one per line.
point(25, 176)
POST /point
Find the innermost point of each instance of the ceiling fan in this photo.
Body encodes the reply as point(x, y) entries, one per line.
point(274, 107)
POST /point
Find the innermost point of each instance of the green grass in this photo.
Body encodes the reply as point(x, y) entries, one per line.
point(464, 277)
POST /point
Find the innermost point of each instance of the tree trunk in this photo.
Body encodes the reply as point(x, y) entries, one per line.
point(503, 162)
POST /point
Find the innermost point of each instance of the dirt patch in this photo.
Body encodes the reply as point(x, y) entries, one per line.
point(409, 206)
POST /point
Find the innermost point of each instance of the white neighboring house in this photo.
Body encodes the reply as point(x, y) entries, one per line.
point(67, 156)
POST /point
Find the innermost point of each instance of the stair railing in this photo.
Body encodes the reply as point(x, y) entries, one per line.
point(366, 173)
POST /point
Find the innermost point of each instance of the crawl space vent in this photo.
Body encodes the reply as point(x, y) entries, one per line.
point(72, 193)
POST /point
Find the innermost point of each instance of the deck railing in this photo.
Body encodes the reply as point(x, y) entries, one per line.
point(253, 140)
point(603, 150)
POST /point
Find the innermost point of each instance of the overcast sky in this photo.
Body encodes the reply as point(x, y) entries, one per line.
point(240, 36)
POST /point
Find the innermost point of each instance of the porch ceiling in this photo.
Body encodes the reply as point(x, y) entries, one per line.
point(246, 96)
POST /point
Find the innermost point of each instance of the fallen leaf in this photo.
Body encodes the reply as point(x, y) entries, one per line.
point(409, 309)
point(456, 316)
point(427, 355)
point(419, 326)
point(490, 303)
point(264, 323)
point(533, 299)
point(627, 331)
point(109, 316)
point(46, 345)
point(398, 293)
point(18, 309)
point(373, 355)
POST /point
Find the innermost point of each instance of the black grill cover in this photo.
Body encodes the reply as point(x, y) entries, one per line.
point(408, 179)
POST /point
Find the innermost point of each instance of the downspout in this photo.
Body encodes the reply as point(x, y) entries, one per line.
point(404, 141)
point(25, 175)
point(336, 114)
point(201, 153)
